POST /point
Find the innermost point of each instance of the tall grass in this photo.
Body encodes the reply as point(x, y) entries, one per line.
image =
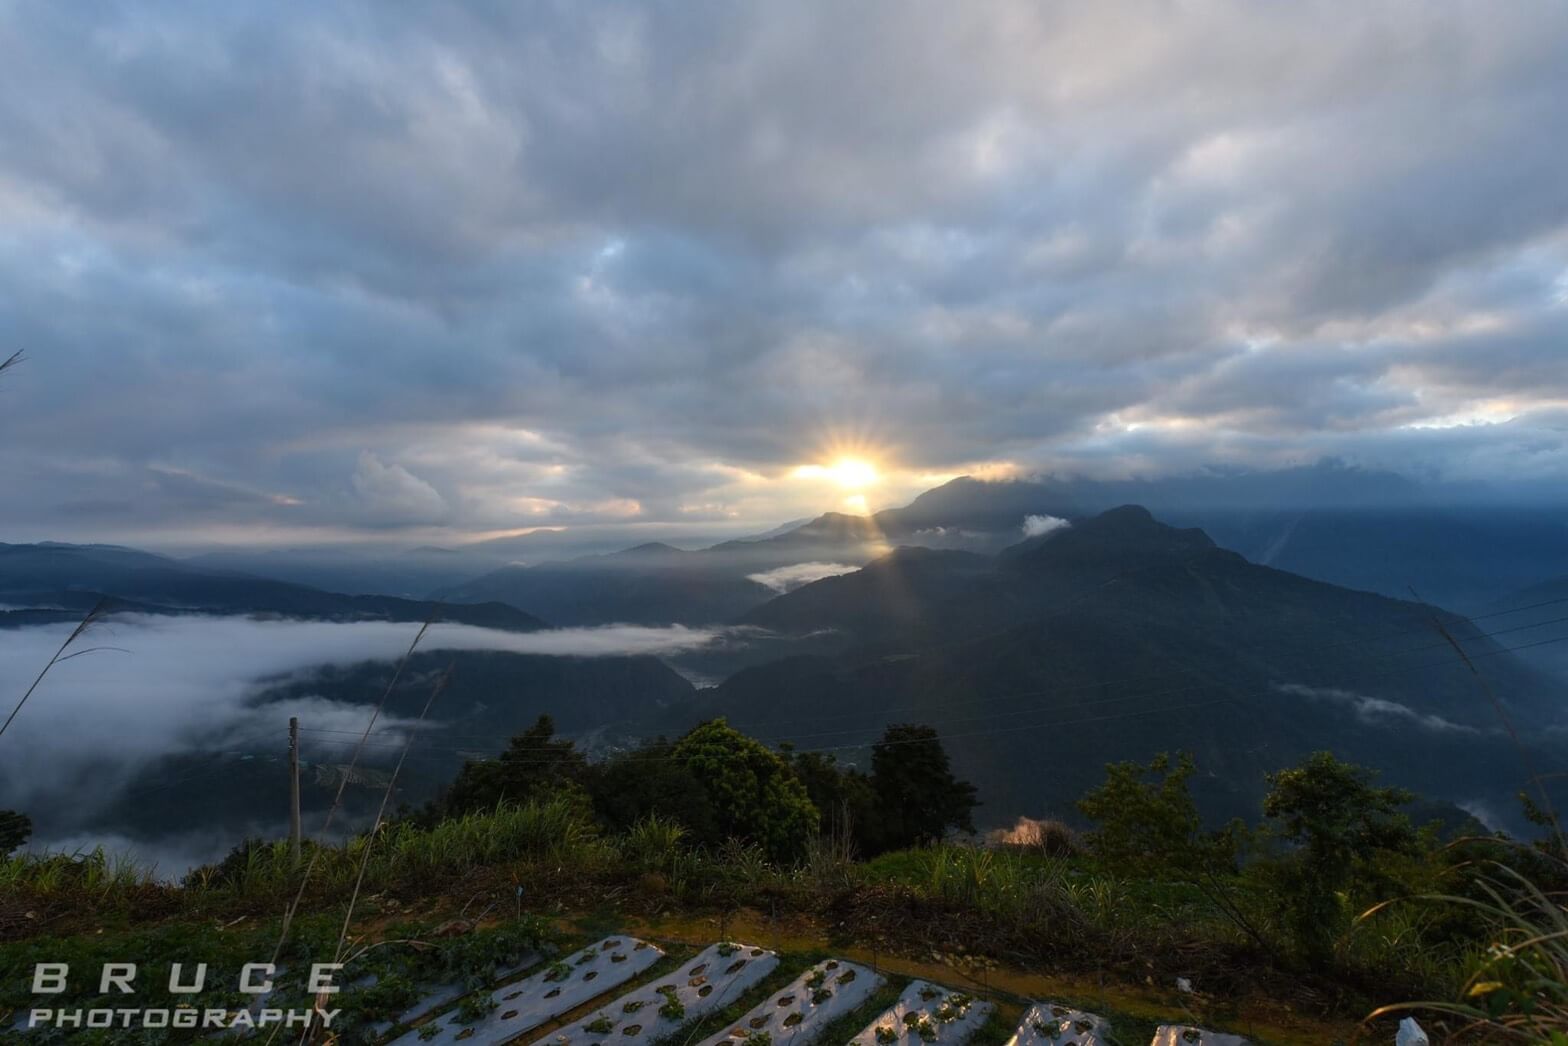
point(89, 873)
point(406, 853)
point(652, 843)
point(1517, 984)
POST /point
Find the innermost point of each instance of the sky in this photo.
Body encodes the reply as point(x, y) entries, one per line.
point(298, 273)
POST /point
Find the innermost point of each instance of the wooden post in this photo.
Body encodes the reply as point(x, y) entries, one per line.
point(294, 789)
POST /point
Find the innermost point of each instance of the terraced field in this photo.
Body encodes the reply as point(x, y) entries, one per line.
point(623, 991)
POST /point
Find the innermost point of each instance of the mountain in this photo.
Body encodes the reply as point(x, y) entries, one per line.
point(1360, 528)
point(418, 573)
point(58, 581)
point(657, 584)
point(1120, 636)
point(1533, 617)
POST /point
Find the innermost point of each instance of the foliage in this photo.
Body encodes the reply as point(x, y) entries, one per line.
point(15, 830)
point(648, 780)
point(1148, 823)
point(1517, 987)
point(653, 842)
point(1338, 826)
point(846, 797)
point(917, 797)
point(535, 764)
point(754, 792)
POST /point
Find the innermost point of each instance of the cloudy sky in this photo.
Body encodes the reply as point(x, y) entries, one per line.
point(290, 273)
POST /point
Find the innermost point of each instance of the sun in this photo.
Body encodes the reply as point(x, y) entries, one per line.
point(851, 474)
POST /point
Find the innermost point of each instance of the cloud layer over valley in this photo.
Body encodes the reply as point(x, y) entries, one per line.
point(189, 684)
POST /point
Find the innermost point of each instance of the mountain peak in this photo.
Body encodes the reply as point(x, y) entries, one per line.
point(1122, 538)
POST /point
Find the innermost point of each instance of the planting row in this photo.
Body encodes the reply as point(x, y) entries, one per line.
point(795, 1015)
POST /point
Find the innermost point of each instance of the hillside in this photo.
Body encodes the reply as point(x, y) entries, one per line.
point(1120, 637)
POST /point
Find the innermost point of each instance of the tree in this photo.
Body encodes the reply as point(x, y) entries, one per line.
point(754, 792)
point(648, 780)
point(1148, 823)
point(917, 797)
point(843, 795)
point(534, 764)
point(1339, 825)
point(15, 830)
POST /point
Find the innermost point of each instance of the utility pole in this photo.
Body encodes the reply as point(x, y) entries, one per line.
point(294, 789)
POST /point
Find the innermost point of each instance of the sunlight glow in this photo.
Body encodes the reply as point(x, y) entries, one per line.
point(849, 473)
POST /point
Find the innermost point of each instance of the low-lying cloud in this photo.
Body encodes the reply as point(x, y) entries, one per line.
point(175, 685)
point(1376, 711)
point(1034, 526)
point(786, 579)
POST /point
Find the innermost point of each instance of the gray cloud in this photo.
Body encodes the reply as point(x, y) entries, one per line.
point(322, 270)
point(1376, 710)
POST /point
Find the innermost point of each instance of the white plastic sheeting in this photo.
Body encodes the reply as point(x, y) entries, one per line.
point(434, 996)
point(927, 1013)
point(796, 1015)
point(559, 988)
point(711, 981)
point(1410, 1034)
point(1052, 1024)
point(1186, 1035)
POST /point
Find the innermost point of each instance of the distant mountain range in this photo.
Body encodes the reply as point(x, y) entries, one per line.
point(1377, 531)
point(660, 584)
point(1045, 627)
point(50, 582)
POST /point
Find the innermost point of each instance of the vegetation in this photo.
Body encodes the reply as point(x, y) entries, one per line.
point(1148, 823)
point(1296, 907)
point(755, 794)
point(918, 799)
point(15, 830)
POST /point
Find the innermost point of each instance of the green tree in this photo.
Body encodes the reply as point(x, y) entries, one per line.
point(843, 795)
point(629, 787)
point(1339, 826)
point(917, 797)
point(754, 791)
point(15, 830)
point(1148, 824)
point(534, 764)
